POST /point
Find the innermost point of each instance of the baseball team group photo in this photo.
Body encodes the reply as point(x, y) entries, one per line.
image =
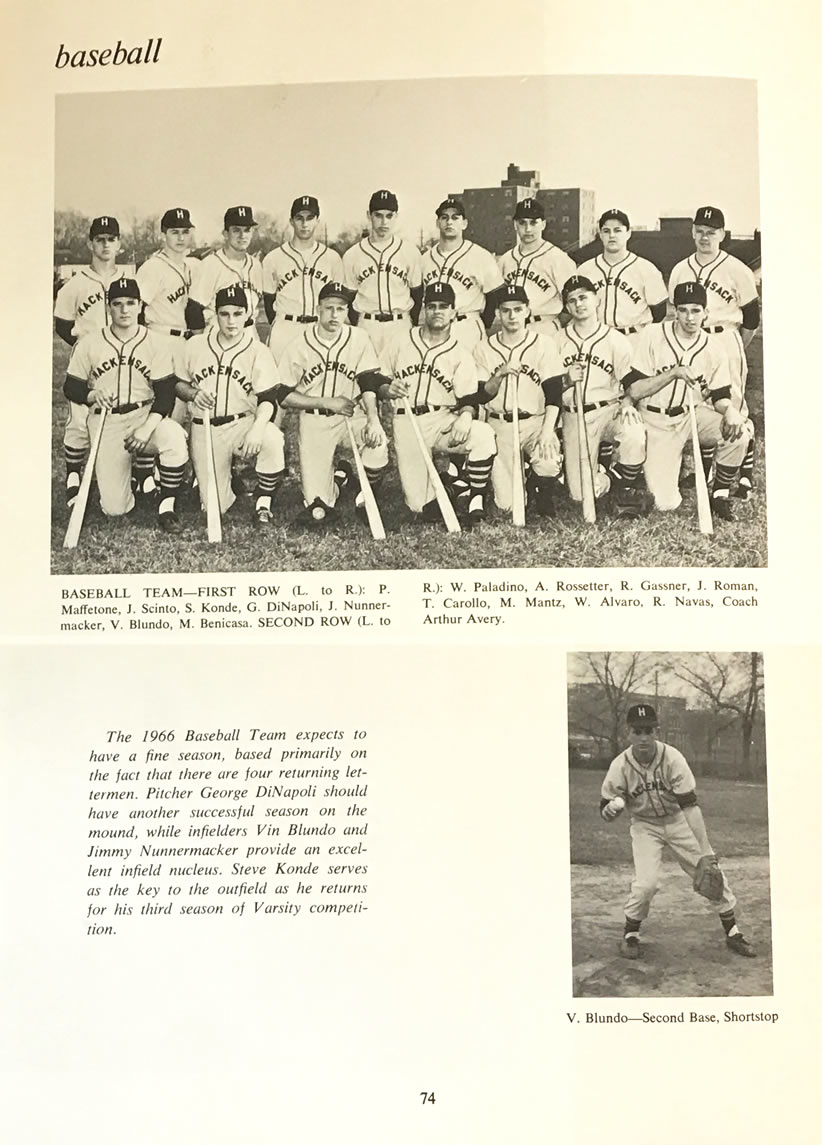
point(407, 351)
point(670, 877)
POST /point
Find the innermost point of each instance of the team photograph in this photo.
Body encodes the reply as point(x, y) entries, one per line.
point(399, 349)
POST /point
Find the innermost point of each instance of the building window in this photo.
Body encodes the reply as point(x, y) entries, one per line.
point(566, 218)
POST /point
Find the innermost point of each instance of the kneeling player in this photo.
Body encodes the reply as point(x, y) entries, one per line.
point(519, 369)
point(126, 371)
point(670, 358)
point(327, 371)
point(231, 374)
point(428, 366)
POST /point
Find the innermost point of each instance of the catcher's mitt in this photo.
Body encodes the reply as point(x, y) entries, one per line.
point(708, 880)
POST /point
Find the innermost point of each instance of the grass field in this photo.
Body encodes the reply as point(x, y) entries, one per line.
point(136, 546)
point(685, 955)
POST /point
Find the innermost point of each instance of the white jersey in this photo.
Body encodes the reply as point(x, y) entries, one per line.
point(317, 369)
point(296, 277)
point(606, 355)
point(82, 300)
point(626, 291)
point(128, 369)
point(234, 374)
point(543, 272)
point(435, 375)
point(383, 278)
point(650, 790)
point(729, 285)
point(217, 271)
point(660, 348)
point(165, 288)
point(470, 270)
point(537, 359)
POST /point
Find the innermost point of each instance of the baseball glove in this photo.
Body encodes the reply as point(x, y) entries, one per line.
point(708, 880)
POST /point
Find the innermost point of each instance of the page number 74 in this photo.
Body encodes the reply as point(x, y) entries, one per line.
point(428, 1097)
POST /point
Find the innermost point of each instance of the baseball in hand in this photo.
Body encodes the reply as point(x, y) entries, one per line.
point(617, 804)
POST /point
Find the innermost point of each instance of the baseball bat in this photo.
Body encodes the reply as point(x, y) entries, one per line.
point(78, 512)
point(518, 492)
point(443, 500)
point(586, 476)
point(703, 500)
point(213, 518)
point(372, 512)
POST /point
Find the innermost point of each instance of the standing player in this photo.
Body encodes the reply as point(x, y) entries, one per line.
point(539, 266)
point(327, 372)
point(521, 356)
point(80, 308)
point(655, 783)
point(471, 270)
point(384, 273)
point(599, 358)
point(294, 274)
point(429, 367)
point(667, 360)
point(231, 266)
point(732, 311)
point(126, 370)
point(630, 290)
point(231, 374)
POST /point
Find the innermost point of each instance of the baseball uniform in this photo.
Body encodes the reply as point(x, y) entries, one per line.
point(315, 368)
point(217, 271)
point(626, 291)
point(240, 376)
point(438, 376)
point(139, 372)
point(665, 413)
point(382, 279)
point(537, 359)
point(473, 273)
point(606, 357)
point(543, 272)
point(296, 277)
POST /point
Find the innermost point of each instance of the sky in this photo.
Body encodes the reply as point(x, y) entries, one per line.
point(651, 145)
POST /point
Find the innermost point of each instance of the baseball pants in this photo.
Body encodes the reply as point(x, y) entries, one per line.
point(76, 433)
point(226, 441)
point(547, 324)
point(649, 838)
point(435, 427)
point(318, 437)
point(603, 424)
point(381, 333)
point(468, 331)
point(667, 438)
point(113, 466)
point(283, 331)
point(502, 475)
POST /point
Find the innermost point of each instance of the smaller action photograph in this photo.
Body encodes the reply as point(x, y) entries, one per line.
point(670, 880)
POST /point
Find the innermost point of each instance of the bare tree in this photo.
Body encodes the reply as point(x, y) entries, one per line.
point(732, 684)
point(348, 234)
point(601, 713)
point(71, 237)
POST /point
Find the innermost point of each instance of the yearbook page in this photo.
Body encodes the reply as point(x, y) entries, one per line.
point(409, 608)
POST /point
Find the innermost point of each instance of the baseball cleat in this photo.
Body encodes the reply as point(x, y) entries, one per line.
point(722, 509)
point(629, 501)
point(630, 947)
point(262, 517)
point(544, 497)
point(739, 944)
point(430, 513)
point(170, 523)
point(744, 489)
point(343, 477)
point(72, 486)
point(476, 509)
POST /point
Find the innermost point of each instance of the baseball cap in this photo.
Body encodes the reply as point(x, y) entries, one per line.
point(231, 296)
point(709, 217)
point(511, 292)
point(577, 282)
point(617, 215)
point(305, 203)
point(239, 217)
point(176, 217)
point(693, 293)
point(122, 287)
point(452, 205)
point(529, 209)
point(439, 292)
point(383, 201)
point(104, 225)
point(335, 290)
point(641, 715)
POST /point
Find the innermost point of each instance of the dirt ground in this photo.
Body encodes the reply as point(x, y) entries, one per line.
point(685, 952)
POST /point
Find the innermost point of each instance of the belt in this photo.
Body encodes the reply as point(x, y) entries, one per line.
point(181, 333)
point(221, 420)
point(628, 329)
point(300, 317)
point(543, 317)
point(322, 412)
point(385, 317)
point(421, 409)
point(714, 329)
point(671, 411)
point(462, 317)
point(509, 415)
point(130, 407)
point(591, 406)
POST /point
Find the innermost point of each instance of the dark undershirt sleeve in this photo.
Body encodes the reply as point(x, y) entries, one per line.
point(659, 310)
point(750, 315)
point(76, 390)
point(268, 304)
point(63, 328)
point(195, 317)
point(687, 800)
point(552, 388)
point(164, 395)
